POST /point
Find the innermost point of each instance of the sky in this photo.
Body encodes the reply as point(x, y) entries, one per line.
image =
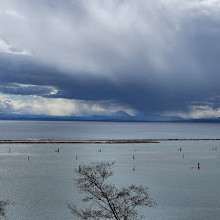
point(100, 57)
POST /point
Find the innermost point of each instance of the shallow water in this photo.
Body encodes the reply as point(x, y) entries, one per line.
point(40, 188)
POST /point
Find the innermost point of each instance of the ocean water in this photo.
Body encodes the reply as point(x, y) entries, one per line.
point(41, 188)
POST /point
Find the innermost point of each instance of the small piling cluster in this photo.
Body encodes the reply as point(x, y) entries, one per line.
point(183, 156)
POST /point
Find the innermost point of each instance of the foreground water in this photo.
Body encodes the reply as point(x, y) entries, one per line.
point(39, 189)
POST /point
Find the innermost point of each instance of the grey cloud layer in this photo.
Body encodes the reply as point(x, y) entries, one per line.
point(154, 56)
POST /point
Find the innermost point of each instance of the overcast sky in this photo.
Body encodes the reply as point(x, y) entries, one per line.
point(83, 57)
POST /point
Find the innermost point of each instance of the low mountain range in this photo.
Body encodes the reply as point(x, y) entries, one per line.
point(117, 116)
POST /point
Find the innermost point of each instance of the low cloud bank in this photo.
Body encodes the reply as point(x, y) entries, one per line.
point(35, 105)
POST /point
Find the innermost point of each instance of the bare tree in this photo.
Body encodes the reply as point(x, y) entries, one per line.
point(106, 200)
point(3, 205)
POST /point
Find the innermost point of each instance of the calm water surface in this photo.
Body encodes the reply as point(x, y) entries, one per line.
point(39, 189)
point(105, 130)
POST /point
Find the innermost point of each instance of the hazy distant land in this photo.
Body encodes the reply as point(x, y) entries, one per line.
point(112, 141)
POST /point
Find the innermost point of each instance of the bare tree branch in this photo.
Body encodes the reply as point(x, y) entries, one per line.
point(3, 205)
point(107, 200)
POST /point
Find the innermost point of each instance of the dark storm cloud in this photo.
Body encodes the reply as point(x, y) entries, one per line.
point(152, 56)
point(151, 96)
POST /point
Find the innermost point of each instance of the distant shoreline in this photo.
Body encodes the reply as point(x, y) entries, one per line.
point(112, 120)
point(109, 141)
